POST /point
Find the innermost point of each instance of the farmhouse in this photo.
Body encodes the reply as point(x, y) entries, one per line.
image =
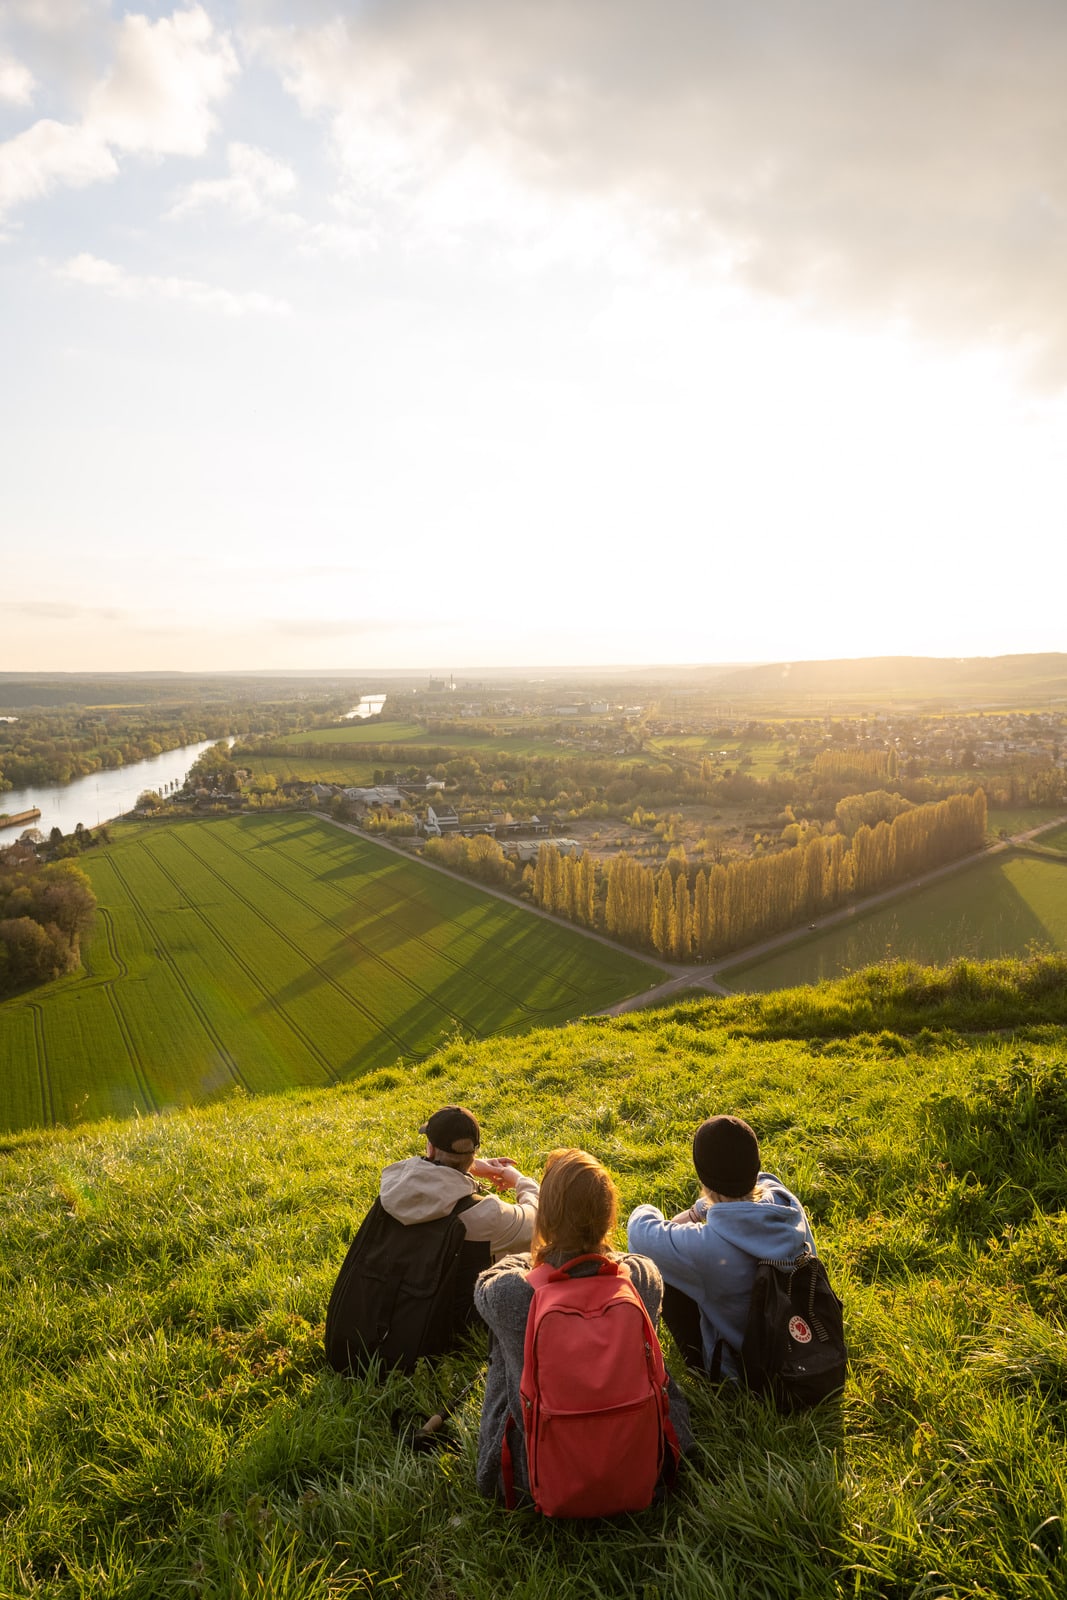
point(382, 794)
point(423, 786)
point(440, 820)
point(530, 849)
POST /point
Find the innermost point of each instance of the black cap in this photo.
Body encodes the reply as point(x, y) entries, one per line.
point(726, 1156)
point(453, 1129)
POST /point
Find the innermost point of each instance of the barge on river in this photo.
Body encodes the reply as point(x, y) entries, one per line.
point(20, 817)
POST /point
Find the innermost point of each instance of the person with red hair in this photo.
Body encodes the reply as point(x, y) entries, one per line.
point(576, 1216)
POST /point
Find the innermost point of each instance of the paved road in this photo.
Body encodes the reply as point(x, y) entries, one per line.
point(707, 977)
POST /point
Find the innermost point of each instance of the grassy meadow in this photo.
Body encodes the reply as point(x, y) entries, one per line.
point(170, 1430)
point(342, 760)
point(349, 773)
point(763, 755)
point(512, 735)
point(360, 731)
point(1003, 906)
point(1054, 839)
point(1020, 819)
point(272, 951)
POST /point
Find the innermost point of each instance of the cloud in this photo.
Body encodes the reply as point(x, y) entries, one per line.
point(17, 82)
point(53, 16)
point(115, 280)
point(900, 161)
point(256, 183)
point(156, 99)
point(48, 155)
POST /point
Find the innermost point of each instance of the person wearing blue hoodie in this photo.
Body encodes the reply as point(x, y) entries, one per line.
point(708, 1255)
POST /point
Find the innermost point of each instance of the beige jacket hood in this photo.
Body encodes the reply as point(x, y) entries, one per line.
point(418, 1190)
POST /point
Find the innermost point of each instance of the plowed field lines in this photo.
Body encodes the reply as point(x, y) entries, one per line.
point(305, 1038)
point(151, 1103)
point(47, 1101)
point(363, 951)
point(151, 1100)
point(179, 978)
point(306, 960)
point(112, 944)
point(391, 918)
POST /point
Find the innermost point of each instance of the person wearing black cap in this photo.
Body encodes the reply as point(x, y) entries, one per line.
point(421, 1188)
point(406, 1287)
point(708, 1254)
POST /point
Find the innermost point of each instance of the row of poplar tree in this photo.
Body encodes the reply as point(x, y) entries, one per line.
point(684, 915)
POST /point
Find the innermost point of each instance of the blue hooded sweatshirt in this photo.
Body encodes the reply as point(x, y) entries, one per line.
point(714, 1261)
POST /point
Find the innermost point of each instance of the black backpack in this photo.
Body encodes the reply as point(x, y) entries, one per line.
point(404, 1290)
point(794, 1350)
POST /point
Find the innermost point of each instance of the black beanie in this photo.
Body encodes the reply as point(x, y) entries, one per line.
point(726, 1156)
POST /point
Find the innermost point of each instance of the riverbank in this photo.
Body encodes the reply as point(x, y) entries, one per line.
point(102, 796)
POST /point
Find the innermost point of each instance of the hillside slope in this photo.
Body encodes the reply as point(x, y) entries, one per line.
point(169, 1428)
point(958, 680)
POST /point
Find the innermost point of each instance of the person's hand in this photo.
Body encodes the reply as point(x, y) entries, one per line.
point(500, 1171)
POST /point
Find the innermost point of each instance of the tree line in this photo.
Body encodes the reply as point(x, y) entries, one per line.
point(44, 912)
point(56, 749)
point(54, 746)
point(685, 915)
point(852, 764)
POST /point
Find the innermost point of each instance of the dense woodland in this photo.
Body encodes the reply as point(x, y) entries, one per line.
point(46, 746)
point(56, 747)
point(45, 909)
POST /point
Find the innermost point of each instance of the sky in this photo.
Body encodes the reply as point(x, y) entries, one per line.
point(454, 333)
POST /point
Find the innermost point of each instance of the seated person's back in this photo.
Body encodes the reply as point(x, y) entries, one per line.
point(708, 1254)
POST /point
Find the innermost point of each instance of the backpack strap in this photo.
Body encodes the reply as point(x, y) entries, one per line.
point(605, 1269)
point(807, 1260)
point(673, 1452)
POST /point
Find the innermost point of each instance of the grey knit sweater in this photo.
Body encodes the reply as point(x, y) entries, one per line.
point(502, 1299)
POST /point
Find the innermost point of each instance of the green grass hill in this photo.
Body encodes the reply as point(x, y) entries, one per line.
point(168, 1427)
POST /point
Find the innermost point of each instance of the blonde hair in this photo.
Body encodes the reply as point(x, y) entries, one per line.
point(577, 1207)
point(724, 1199)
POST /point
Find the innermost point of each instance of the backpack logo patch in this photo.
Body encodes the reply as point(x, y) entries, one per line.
point(799, 1330)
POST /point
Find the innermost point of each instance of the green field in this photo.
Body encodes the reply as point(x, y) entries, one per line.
point(360, 732)
point(1020, 819)
point(1000, 907)
point(763, 755)
point(1055, 839)
point(311, 769)
point(263, 953)
point(515, 739)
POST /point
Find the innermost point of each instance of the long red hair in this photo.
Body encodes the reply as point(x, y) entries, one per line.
point(577, 1208)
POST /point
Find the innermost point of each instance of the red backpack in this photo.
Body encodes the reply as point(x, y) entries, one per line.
point(599, 1437)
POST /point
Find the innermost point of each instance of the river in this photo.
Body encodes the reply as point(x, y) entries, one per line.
point(100, 796)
